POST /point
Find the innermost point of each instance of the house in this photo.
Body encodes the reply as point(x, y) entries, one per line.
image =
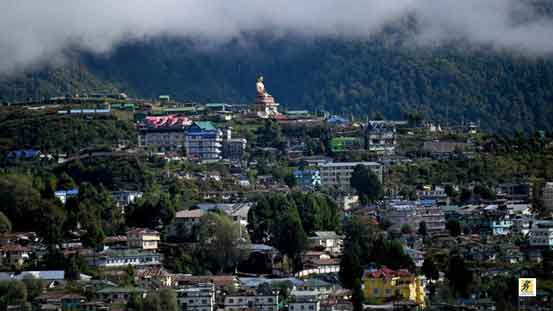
point(59, 301)
point(116, 241)
point(185, 221)
point(218, 281)
point(443, 150)
point(347, 202)
point(124, 198)
point(13, 255)
point(316, 285)
point(157, 275)
point(346, 144)
point(435, 193)
point(541, 234)
point(251, 300)
point(204, 142)
point(46, 275)
point(307, 179)
point(337, 175)
point(119, 294)
point(383, 284)
point(145, 239)
point(310, 256)
point(416, 255)
point(238, 212)
point(501, 225)
point(381, 137)
point(304, 301)
point(521, 225)
point(197, 298)
point(123, 258)
point(328, 241)
point(64, 195)
point(515, 192)
point(26, 154)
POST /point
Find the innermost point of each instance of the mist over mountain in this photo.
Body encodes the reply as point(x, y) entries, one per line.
point(40, 32)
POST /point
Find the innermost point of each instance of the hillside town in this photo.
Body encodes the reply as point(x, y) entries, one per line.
point(217, 206)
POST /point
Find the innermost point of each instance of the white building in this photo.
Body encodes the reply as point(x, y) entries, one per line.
point(329, 241)
point(381, 137)
point(204, 142)
point(304, 301)
point(338, 175)
point(247, 301)
point(541, 234)
point(145, 239)
point(124, 198)
point(123, 258)
point(199, 298)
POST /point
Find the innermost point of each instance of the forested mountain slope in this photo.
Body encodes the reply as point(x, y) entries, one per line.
point(501, 90)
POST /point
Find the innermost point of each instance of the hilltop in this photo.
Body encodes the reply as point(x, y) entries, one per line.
point(503, 91)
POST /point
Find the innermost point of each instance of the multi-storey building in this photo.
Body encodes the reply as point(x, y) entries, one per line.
point(412, 213)
point(145, 239)
point(198, 298)
point(337, 175)
point(304, 301)
point(165, 133)
point(432, 215)
point(384, 284)
point(234, 148)
point(541, 234)
point(402, 213)
point(251, 301)
point(381, 137)
point(501, 225)
point(204, 142)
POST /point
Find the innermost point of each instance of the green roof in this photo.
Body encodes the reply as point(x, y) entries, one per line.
point(205, 125)
point(342, 143)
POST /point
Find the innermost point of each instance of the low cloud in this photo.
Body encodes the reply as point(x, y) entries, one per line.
point(37, 32)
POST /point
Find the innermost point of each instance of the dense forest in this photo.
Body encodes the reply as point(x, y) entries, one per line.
point(451, 83)
point(54, 133)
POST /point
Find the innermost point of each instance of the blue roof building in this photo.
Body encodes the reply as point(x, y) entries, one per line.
point(204, 142)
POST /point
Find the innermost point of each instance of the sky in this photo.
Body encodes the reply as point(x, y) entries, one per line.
point(35, 32)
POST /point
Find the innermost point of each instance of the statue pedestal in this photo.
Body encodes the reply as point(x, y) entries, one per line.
point(265, 106)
